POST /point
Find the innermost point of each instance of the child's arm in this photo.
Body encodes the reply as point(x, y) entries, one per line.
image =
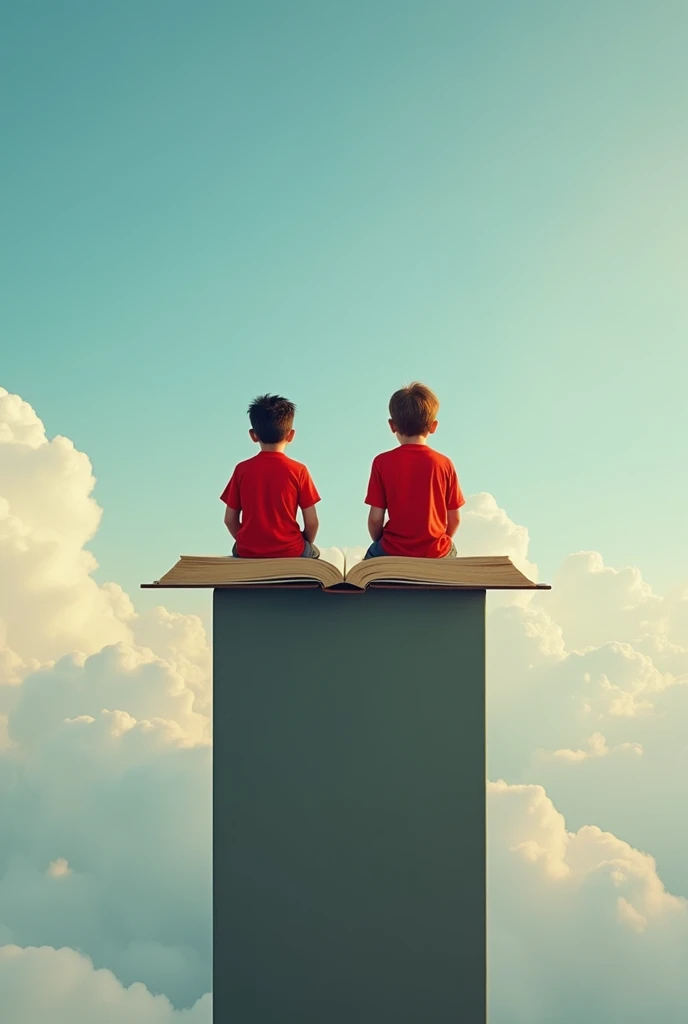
point(232, 521)
point(455, 500)
point(376, 499)
point(453, 520)
point(232, 500)
point(376, 520)
point(310, 523)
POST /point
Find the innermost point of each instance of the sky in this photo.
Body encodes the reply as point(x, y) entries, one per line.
point(326, 201)
point(203, 202)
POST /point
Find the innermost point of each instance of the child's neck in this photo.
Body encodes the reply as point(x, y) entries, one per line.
point(417, 439)
point(279, 447)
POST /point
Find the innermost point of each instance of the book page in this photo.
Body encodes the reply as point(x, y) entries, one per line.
point(352, 556)
point(496, 572)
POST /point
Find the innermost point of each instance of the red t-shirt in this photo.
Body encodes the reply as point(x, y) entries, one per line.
point(417, 486)
point(268, 490)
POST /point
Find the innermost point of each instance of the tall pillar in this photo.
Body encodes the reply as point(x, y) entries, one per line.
point(349, 806)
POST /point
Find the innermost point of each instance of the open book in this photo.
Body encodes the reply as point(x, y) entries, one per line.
point(337, 569)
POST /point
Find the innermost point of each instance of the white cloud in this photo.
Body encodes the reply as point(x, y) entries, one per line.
point(666, 655)
point(181, 641)
point(596, 747)
point(545, 698)
point(104, 744)
point(486, 529)
point(59, 986)
point(117, 678)
point(49, 602)
point(595, 603)
point(561, 697)
point(105, 845)
point(581, 926)
point(59, 868)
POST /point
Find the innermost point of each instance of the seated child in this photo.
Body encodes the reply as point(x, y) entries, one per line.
point(265, 492)
point(414, 484)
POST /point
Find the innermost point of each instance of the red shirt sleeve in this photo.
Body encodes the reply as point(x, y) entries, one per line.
point(308, 494)
point(455, 498)
point(230, 495)
point(376, 489)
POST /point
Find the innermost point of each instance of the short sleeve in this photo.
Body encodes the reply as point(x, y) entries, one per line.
point(376, 496)
point(455, 498)
point(308, 494)
point(230, 495)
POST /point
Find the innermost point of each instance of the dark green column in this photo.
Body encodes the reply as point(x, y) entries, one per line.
point(349, 807)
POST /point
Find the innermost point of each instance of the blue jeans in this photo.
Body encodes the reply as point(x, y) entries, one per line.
point(376, 550)
point(309, 550)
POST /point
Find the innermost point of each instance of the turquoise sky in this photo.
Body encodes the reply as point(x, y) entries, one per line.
point(202, 201)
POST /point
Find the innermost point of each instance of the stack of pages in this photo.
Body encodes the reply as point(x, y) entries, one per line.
point(337, 569)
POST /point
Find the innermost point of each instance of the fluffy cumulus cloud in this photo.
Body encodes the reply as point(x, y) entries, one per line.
point(104, 764)
point(595, 747)
point(594, 603)
point(59, 986)
point(486, 529)
point(588, 696)
point(49, 602)
point(105, 750)
point(105, 847)
point(581, 926)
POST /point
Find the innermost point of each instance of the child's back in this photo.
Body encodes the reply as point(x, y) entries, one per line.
point(417, 486)
point(265, 493)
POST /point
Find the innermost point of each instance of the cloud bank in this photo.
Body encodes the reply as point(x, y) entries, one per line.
point(104, 763)
point(105, 750)
point(581, 927)
point(59, 986)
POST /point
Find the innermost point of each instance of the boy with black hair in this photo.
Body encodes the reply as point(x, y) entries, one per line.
point(265, 492)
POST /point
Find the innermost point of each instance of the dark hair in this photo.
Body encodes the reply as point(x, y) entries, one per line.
point(272, 417)
point(413, 409)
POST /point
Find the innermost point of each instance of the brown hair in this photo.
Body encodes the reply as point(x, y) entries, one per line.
point(413, 409)
point(272, 417)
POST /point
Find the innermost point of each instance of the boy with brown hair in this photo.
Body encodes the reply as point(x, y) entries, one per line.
point(416, 486)
point(266, 491)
